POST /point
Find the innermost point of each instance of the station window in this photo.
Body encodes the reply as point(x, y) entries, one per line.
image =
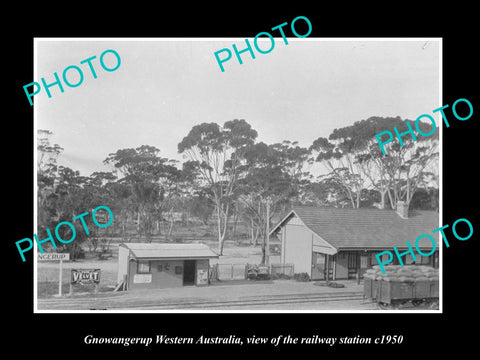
point(424, 260)
point(143, 267)
point(409, 259)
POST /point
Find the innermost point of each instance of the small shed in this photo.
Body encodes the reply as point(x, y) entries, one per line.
point(155, 266)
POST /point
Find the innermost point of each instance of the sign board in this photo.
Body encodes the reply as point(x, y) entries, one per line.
point(363, 261)
point(202, 277)
point(142, 278)
point(53, 257)
point(85, 276)
point(56, 257)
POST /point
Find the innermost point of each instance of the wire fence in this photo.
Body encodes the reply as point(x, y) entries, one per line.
point(226, 272)
point(282, 269)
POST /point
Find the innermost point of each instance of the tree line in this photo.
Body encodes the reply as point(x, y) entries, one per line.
point(228, 174)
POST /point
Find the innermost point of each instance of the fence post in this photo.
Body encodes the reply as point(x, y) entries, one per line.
point(231, 277)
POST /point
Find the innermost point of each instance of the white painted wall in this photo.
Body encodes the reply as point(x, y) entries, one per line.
point(122, 267)
point(298, 248)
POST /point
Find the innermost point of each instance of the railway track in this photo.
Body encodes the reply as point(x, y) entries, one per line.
point(162, 304)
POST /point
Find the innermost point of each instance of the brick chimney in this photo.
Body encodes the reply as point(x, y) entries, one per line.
point(402, 209)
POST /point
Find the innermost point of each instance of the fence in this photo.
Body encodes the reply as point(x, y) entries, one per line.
point(225, 272)
point(283, 269)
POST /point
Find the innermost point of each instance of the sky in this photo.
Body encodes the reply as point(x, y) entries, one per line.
point(163, 87)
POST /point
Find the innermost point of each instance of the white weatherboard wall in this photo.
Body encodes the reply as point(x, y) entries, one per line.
point(122, 263)
point(297, 247)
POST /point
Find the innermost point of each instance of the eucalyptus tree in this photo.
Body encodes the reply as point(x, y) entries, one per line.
point(149, 178)
point(355, 162)
point(218, 155)
point(266, 186)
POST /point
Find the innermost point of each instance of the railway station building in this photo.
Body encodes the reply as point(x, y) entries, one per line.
point(156, 265)
point(345, 241)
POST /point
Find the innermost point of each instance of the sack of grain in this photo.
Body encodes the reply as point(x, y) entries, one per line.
point(391, 278)
point(405, 273)
point(422, 278)
point(425, 268)
point(406, 279)
point(417, 274)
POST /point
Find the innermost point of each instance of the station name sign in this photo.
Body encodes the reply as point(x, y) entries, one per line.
point(54, 257)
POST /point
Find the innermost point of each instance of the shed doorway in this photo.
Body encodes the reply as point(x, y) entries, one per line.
point(188, 272)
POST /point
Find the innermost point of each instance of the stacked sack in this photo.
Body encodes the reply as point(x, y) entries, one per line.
point(407, 273)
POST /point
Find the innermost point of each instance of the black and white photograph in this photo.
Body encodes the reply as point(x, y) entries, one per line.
point(262, 187)
point(267, 181)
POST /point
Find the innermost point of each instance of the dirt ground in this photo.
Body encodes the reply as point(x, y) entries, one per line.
point(246, 296)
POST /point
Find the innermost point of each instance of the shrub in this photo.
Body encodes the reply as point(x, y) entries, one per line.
point(301, 276)
point(276, 276)
point(257, 272)
point(335, 285)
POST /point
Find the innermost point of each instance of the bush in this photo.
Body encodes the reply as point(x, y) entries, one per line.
point(276, 276)
point(335, 285)
point(257, 272)
point(301, 276)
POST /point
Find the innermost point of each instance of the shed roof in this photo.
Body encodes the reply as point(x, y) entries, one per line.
point(169, 251)
point(366, 228)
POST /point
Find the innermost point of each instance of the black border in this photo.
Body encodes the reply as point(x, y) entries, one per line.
point(423, 333)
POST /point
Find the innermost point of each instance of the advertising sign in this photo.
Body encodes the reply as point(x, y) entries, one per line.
point(202, 277)
point(142, 278)
point(85, 276)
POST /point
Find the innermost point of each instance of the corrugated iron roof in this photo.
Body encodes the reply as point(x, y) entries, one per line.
point(367, 228)
point(169, 251)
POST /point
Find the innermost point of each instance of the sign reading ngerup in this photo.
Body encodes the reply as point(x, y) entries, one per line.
point(54, 257)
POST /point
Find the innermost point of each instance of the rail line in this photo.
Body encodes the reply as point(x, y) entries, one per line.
point(154, 304)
